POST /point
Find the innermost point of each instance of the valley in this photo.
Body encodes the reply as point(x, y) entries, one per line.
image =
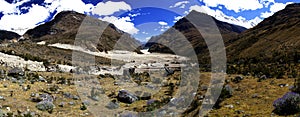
point(56, 70)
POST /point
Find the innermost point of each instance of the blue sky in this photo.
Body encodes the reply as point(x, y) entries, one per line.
point(141, 18)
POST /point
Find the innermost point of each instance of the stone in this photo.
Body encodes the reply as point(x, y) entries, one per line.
point(112, 105)
point(237, 79)
point(42, 79)
point(61, 104)
point(204, 87)
point(126, 97)
point(86, 102)
point(75, 97)
point(2, 98)
point(45, 106)
point(46, 97)
point(71, 103)
point(229, 106)
point(255, 95)
point(15, 72)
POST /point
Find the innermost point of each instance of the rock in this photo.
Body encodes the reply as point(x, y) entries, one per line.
point(168, 71)
point(239, 111)
point(71, 103)
point(61, 104)
point(83, 107)
point(75, 97)
point(2, 98)
point(5, 85)
point(112, 105)
point(255, 95)
point(15, 72)
point(95, 98)
point(45, 106)
point(229, 106)
point(126, 97)
point(86, 102)
point(33, 94)
point(204, 87)
point(42, 79)
point(46, 97)
point(67, 95)
point(283, 85)
point(237, 79)
point(151, 101)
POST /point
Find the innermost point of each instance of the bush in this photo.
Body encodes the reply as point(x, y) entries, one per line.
point(288, 104)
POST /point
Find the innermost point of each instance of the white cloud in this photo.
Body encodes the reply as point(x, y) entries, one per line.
point(274, 8)
point(76, 5)
point(108, 8)
point(236, 5)
point(134, 15)
point(162, 23)
point(123, 23)
point(10, 8)
point(13, 19)
point(180, 4)
point(177, 18)
point(148, 38)
point(145, 33)
point(24, 21)
point(241, 21)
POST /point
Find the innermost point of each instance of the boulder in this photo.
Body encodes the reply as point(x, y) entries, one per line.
point(126, 97)
point(45, 106)
point(15, 72)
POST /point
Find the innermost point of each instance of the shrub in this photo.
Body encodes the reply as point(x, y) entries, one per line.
point(288, 104)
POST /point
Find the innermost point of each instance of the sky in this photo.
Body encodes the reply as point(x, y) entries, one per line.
point(141, 18)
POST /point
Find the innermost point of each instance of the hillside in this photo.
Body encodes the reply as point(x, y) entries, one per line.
point(276, 39)
point(7, 35)
point(65, 26)
point(185, 30)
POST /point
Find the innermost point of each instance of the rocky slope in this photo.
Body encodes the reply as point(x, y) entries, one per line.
point(65, 26)
point(7, 35)
point(185, 30)
point(274, 39)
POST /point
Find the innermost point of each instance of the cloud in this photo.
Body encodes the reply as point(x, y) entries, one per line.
point(145, 33)
point(180, 4)
point(274, 8)
point(14, 20)
point(177, 18)
point(237, 5)
point(123, 23)
point(148, 38)
point(8, 8)
point(20, 23)
point(162, 23)
point(241, 21)
point(109, 8)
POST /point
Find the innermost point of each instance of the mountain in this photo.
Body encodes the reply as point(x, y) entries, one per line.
point(275, 39)
point(7, 35)
point(185, 30)
point(65, 26)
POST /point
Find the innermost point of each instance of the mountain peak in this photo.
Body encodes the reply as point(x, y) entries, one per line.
point(65, 26)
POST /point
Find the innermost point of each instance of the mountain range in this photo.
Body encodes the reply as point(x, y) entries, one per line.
point(274, 39)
